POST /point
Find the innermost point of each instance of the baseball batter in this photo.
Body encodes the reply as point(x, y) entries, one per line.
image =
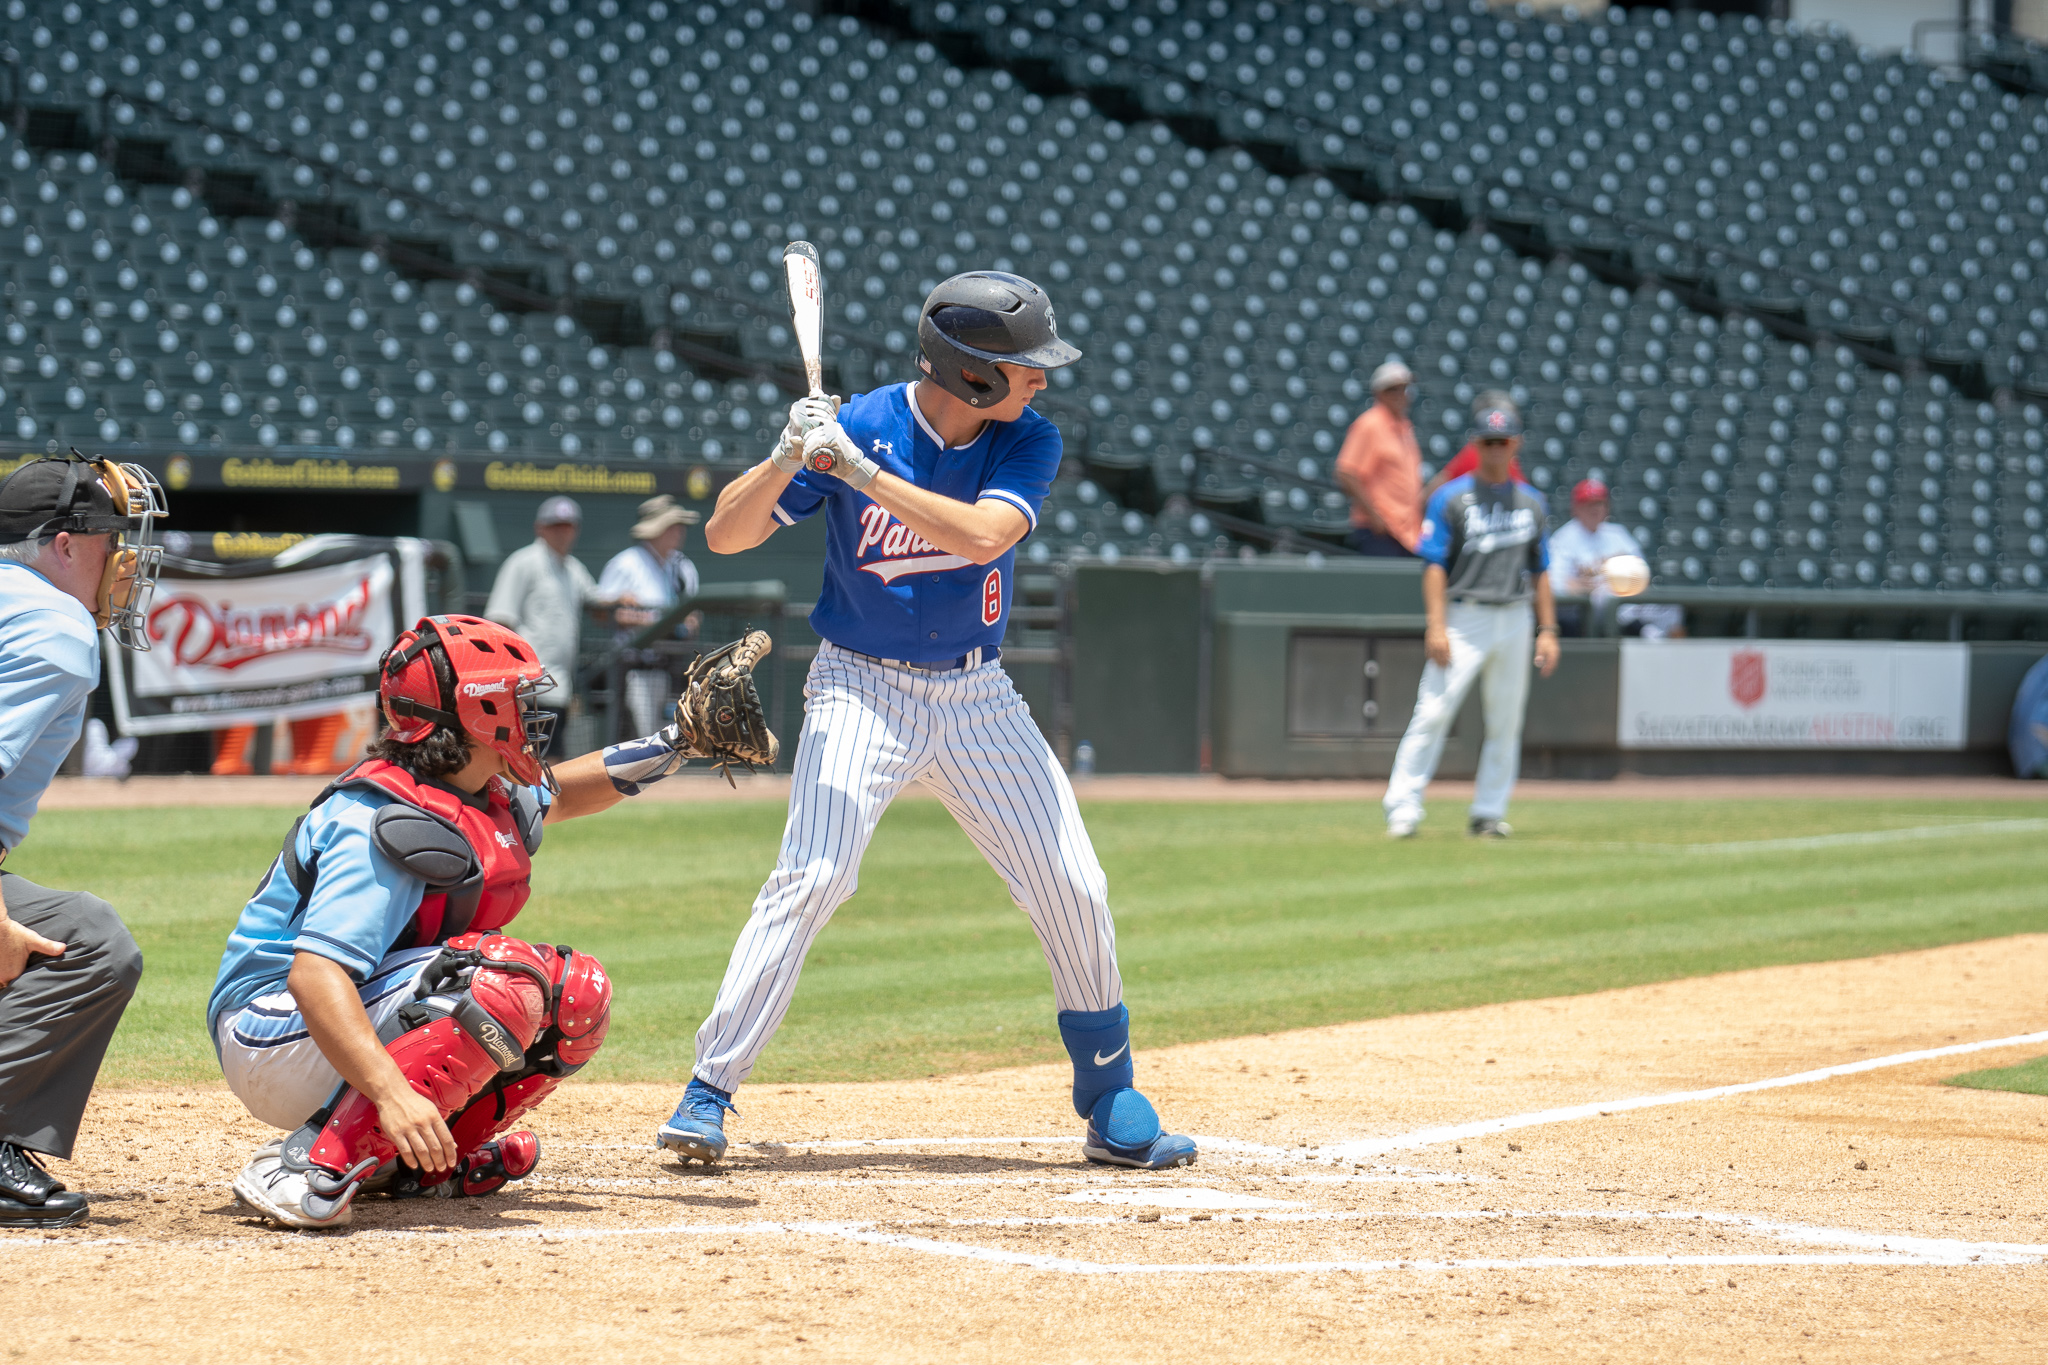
point(926, 489)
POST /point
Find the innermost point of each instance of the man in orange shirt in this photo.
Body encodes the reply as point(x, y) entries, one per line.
point(1380, 468)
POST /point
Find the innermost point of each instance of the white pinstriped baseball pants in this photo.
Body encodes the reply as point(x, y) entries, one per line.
point(869, 731)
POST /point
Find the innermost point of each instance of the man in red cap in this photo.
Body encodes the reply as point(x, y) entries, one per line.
point(1581, 547)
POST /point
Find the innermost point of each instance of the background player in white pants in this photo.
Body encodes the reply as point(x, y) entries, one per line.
point(1482, 538)
point(927, 488)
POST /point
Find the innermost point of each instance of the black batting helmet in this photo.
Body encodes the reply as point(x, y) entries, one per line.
point(986, 316)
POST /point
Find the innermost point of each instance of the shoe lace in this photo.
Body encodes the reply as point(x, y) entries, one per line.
point(702, 1104)
point(20, 1161)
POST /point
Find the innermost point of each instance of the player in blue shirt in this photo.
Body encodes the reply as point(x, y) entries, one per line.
point(74, 555)
point(926, 489)
point(1484, 591)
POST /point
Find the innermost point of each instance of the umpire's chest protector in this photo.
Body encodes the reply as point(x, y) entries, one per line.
point(475, 855)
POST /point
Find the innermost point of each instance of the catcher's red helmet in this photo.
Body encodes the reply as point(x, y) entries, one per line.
point(485, 691)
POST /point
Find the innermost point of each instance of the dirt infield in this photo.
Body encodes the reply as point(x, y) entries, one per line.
point(79, 793)
point(1378, 1191)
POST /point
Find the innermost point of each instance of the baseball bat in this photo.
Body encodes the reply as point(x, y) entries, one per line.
point(807, 309)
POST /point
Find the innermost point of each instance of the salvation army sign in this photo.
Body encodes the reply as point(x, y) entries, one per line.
point(1792, 694)
point(298, 633)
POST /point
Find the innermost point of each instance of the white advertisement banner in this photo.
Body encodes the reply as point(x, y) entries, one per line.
point(210, 636)
point(1793, 694)
point(240, 642)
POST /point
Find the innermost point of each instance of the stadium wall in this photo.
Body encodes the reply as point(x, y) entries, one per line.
point(1213, 667)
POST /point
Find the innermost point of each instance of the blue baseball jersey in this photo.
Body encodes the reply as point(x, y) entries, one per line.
point(1487, 538)
point(360, 904)
point(49, 666)
point(889, 592)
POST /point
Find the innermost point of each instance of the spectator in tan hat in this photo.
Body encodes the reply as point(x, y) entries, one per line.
point(1380, 469)
point(646, 579)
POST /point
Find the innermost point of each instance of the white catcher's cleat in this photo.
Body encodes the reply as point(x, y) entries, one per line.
point(268, 1188)
point(1401, 828)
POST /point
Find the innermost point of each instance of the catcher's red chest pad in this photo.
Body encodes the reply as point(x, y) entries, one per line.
point(492, 833)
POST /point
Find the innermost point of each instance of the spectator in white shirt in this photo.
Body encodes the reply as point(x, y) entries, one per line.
point(646, 579)
point(542, 591)
point(1579, 550)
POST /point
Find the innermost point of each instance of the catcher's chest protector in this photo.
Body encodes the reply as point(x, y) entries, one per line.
point(501, 840)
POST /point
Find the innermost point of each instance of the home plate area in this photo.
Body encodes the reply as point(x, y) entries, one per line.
point(1243, 1210)
point(1768, 1155)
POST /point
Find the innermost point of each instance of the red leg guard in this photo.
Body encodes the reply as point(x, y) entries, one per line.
point(579, 1016)
point(479, 1007)
point(493, 1165)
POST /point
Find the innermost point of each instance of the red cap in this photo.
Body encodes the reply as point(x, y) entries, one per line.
point(1589, 490)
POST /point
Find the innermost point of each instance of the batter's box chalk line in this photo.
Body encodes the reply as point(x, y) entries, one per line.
point(1851, 1248)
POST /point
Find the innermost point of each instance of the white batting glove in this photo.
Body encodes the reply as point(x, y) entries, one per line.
point(805, 415)
point(829, 450)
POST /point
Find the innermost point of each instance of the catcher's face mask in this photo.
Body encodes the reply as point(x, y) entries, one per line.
point(489, 691)
point(95, 497)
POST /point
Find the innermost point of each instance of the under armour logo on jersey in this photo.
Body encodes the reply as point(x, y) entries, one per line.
point(882, 448)
point(902, 550)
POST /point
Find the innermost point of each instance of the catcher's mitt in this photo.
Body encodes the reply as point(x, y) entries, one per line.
point(719, 713)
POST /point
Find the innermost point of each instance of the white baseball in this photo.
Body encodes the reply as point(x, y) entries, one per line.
point(1627, 575)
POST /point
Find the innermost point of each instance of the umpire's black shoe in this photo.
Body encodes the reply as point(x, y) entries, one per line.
point(1484, 828)
point(30, 1197)
point(61, 1210)
point(23, 1176)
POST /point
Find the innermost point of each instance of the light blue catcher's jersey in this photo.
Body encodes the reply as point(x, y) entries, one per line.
point(889, 592)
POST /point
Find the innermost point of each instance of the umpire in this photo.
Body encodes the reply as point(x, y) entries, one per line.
point(74, 556)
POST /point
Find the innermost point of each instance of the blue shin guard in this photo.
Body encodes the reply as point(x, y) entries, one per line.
point(1123, 1128)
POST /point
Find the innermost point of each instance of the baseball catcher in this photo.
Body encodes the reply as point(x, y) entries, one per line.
point(370, 1002)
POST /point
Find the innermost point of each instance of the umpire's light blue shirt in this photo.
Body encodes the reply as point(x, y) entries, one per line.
point(888, 591)
point(49, 665)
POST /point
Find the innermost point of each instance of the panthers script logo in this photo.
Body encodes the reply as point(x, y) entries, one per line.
point(898, 549)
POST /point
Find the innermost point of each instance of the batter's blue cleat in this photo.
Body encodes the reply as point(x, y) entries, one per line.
point(1124, 1130)
point(697, 1128)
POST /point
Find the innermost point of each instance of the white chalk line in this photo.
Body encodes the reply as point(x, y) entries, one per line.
point(1430, 1137)
point(857, 1183)
point(1954, 830)
point(1857, 1248)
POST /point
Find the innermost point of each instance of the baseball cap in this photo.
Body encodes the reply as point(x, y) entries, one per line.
point(1391, 374)
point(1589, 490)
point(659, 513)
point(558, 510)
point(1496, 424)
point(46, 496)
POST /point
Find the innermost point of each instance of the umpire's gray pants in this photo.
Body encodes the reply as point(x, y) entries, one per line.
point(57, 1017)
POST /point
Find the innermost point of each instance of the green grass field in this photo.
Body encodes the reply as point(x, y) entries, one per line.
point(1232, 919)
point(2028, 1078)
